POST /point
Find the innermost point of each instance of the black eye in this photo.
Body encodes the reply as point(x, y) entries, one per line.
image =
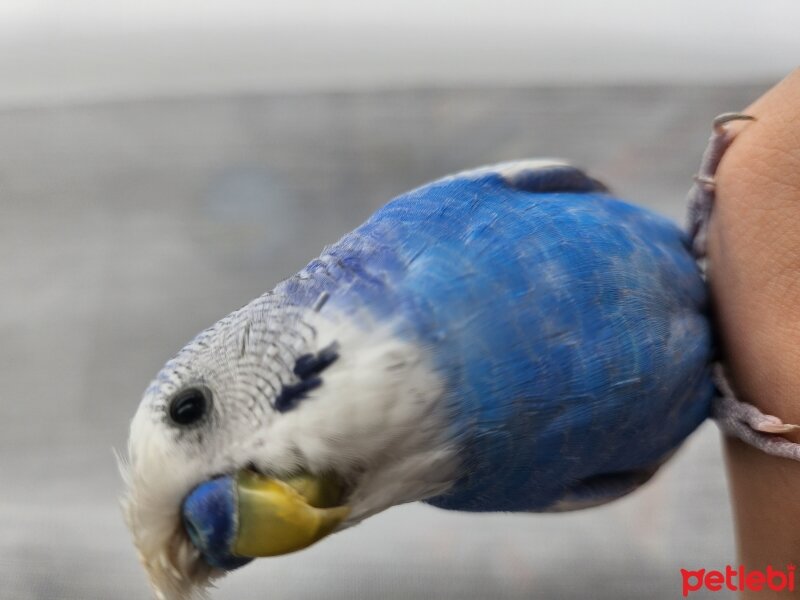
point(189, 406)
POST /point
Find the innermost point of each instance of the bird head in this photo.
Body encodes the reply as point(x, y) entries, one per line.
point(272, 429)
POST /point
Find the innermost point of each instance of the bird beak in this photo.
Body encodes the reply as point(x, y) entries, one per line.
point(277, 516)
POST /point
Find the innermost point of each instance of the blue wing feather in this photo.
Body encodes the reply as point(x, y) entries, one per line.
point(570, 326)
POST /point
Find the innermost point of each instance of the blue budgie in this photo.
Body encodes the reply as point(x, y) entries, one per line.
point(512, 338)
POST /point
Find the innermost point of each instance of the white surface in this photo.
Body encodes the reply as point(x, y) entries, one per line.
point(86, 50)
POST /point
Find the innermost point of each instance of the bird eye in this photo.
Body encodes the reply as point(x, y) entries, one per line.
point(189, 406)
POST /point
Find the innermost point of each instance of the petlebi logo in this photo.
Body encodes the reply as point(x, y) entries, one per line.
point(739, 579)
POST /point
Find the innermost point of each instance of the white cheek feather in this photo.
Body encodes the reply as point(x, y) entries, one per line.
point(157, 478)
point(379, 419)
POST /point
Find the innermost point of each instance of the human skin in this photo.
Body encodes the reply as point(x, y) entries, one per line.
point(754, 274)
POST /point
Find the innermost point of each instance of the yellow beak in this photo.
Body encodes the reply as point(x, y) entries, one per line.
point(279, 516)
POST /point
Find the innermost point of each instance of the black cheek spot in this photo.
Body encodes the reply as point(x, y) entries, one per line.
point(292, 394)
point(313, 364)
point(307, 368)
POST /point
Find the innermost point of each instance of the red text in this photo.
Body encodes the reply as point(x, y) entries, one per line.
point(739, 579)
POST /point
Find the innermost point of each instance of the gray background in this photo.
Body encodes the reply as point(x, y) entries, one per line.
point(127, 226)
point(53, 51)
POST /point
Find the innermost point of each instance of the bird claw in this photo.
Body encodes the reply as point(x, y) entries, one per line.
point(780, 427)
point(727, 117)
point(749, 424)
point(701, 196)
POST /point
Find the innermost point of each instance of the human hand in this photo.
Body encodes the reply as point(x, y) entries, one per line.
point(754, 275)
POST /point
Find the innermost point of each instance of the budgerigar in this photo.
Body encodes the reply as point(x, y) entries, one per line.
point(512, 338)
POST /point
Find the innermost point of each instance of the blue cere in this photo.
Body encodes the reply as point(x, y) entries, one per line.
point(209, 517)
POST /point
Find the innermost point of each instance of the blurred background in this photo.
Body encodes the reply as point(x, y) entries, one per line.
point(163, 163)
